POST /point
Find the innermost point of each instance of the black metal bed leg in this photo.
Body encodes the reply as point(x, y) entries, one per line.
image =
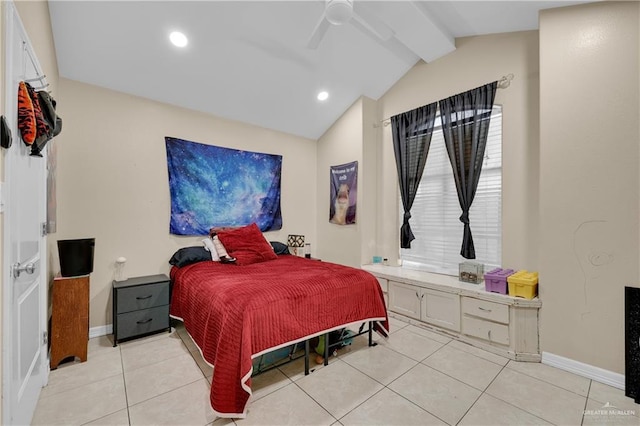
point(370, 333)
point(306, 357)
point(326, 349)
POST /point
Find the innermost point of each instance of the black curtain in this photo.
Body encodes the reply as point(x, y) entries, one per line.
point(411, 139)
point(465, 124)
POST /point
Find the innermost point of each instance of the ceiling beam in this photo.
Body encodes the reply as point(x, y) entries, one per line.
point(414, 28)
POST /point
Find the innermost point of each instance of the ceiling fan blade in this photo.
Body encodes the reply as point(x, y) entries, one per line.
point(318, 33)
point(369, 19)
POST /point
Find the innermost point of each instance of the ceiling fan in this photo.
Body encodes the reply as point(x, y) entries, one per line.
point(339, 12)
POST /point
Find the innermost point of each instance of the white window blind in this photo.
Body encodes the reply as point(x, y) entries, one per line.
point(436, 211)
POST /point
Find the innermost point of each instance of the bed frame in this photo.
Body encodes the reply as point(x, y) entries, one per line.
point(291, 358)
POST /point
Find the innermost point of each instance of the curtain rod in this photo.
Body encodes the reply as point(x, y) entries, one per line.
point(503, 83)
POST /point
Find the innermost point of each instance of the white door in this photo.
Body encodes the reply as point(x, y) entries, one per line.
point(24, 293)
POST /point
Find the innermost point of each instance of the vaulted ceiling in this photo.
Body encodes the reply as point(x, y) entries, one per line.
point(256, 61)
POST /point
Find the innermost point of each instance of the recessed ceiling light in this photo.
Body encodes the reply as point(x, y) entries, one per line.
point(178, 39)
point(323, 96)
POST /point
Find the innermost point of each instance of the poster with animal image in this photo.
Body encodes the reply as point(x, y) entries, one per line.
point(344, 190)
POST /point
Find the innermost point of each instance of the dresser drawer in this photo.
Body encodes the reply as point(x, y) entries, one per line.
point(142, 297)
point(487, 310)
point(143, 321)
point(487, 330)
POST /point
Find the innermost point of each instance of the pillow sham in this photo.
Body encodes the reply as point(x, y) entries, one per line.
point(279, 248)
point(188, 255)
point(247, 245)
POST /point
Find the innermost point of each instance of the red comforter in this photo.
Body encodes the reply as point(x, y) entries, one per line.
point(236, 312)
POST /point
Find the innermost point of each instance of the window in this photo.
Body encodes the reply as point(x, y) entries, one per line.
point(436, 211)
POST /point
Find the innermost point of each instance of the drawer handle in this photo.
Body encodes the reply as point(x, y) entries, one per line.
point(489, 334)
point(145, 297)
point(484, 309)
point(145, 321)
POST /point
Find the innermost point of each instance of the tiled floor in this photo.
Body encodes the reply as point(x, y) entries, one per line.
point(417, 377)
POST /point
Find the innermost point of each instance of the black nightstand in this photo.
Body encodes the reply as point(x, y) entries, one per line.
point(140, 306)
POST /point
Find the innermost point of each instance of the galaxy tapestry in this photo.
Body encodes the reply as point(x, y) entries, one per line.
point(344, 186)
point(213, 186)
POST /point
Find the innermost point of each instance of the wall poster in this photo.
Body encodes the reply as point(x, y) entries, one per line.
point(344, 186)
point(212, 186)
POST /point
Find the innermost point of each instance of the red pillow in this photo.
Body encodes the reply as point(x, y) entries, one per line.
point(247, 245)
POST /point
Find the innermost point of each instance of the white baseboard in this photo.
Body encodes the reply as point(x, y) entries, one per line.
point(101, 330)
point(585, 370)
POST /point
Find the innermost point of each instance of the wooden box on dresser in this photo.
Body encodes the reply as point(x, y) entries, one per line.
point(140, 306)
point(495, 322)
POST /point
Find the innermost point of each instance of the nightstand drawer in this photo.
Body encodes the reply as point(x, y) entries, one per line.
point(143, 321)
point(142, 297)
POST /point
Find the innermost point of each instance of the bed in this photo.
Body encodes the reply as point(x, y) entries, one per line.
point(235, 313)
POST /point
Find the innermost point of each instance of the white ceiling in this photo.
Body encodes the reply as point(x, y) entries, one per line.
point(249, 60)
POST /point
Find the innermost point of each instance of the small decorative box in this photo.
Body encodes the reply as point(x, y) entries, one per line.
point(496, 280)
point(523, 284)
point(471, 272)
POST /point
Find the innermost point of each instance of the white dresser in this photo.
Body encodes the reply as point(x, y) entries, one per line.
point(495, 322)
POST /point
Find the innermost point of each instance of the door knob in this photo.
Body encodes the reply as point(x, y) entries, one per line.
point(29, 268)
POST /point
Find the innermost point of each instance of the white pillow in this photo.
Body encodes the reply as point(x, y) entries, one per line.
point(222, 252)
point(208, 244)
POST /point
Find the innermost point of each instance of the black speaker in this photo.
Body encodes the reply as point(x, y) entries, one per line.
point(632, 343)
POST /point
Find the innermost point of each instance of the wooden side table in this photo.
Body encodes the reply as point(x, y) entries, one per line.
point(69, 319)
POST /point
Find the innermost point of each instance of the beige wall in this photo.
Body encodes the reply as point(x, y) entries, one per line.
point(113, 182)
point(35, 18)
point(341, 144)
point(589, 248)
point(371, 138)
point(352, 137)
point(489, 57)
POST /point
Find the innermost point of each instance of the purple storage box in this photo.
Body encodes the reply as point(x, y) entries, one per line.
point(496, 280)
